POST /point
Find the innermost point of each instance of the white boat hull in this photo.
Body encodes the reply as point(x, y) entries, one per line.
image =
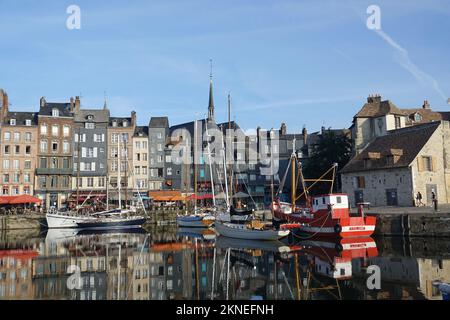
point(204, 222)
point(240, 231)
point(55, 220)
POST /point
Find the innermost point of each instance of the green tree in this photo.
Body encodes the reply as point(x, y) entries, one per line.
point(331, 148)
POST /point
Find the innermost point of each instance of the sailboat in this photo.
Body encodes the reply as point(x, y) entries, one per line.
point(251, 230)
point(116, 218)
point(198, 219)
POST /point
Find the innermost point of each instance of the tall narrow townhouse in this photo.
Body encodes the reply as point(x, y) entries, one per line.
point(55, 164)
point(18, 143)
point(90, 154)
point(158, 131)
point(140, 160)
point(120, 134)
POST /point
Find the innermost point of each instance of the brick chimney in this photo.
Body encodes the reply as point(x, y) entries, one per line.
point(4, 105)
point(77, 104)
point(133, 118)
point(426, 105)
point(376, 98)
point(283, 129)
point(72, 104)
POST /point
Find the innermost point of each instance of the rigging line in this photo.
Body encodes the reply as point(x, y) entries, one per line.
point(283, 181)
point(315, 233)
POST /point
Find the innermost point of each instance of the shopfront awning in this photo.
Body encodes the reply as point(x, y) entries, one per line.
point(22, 199)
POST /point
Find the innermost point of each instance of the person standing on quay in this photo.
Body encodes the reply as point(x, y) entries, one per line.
point(419, 199)
point(434, 200)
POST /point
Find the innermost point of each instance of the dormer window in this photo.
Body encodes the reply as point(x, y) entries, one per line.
point(114, 123)
point(12, 122)
point(125, 123)
point(28, 122)
point(417, 117)
point(55, 113)
point(90, 117)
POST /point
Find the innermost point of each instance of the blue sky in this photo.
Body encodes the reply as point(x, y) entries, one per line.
point(307, 63)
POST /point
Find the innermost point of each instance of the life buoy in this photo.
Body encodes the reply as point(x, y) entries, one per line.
point(338, 228)
point(338, 247)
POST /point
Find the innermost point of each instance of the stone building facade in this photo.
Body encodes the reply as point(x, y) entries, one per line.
point(53, 182)
point(90, 152)
point(394, 167)
point(140, 160)
point(120, 132)
point(18, 149)
point(377, 117)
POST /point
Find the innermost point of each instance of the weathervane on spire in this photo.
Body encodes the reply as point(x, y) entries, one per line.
point(211, 99)
point(211, 68)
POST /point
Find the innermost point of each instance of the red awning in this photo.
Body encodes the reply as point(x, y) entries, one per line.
point(200, 197)
point(22, 199)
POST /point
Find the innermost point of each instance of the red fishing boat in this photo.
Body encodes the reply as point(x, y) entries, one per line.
point(323, 215)
point(334, 259)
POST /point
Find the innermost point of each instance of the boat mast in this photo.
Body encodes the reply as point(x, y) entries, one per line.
point(231, 165)
point(195, 166)
point(126, 172)
point(227, 197)
point(78, 168)
point(210, 168)
point(119, 182)
point(293, 176)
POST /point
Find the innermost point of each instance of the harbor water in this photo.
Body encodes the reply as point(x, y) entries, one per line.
point(195, 264)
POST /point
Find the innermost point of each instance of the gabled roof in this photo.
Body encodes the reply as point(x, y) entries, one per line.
point(100, 115)
point(21, 117)
point(426, 114)
point(63, 108)
point(377, 109)
point(409, 140)
point(189, 126)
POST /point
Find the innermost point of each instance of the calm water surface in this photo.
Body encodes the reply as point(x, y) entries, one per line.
point(171, 263)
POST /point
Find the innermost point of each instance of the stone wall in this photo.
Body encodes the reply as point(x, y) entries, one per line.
point(376, 184)
point(437, 147)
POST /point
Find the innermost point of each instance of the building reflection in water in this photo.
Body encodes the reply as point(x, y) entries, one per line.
point(197, 265)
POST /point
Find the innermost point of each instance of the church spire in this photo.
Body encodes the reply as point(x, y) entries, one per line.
point(211, 99)
point(105, 105)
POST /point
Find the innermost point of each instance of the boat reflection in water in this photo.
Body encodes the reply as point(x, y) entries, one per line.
point(183, 264)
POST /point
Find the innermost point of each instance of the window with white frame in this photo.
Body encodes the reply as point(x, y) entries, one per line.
point(55, 130)
point(43, 129)
point(66, 130)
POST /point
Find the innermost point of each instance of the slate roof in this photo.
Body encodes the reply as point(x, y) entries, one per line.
point(141, 131)
point(159, 122)
point(189, 126)
point(100, 115)
point(120, 121)
point(64, 109)
point(409, 140)
point(21, 117)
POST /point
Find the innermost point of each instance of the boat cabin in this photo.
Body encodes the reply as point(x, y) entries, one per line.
point(337, 202)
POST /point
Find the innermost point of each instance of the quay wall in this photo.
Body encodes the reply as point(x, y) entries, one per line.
point(413, 225)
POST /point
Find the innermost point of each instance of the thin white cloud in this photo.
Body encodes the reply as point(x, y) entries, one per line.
point(297, 102)
point(402, 57)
